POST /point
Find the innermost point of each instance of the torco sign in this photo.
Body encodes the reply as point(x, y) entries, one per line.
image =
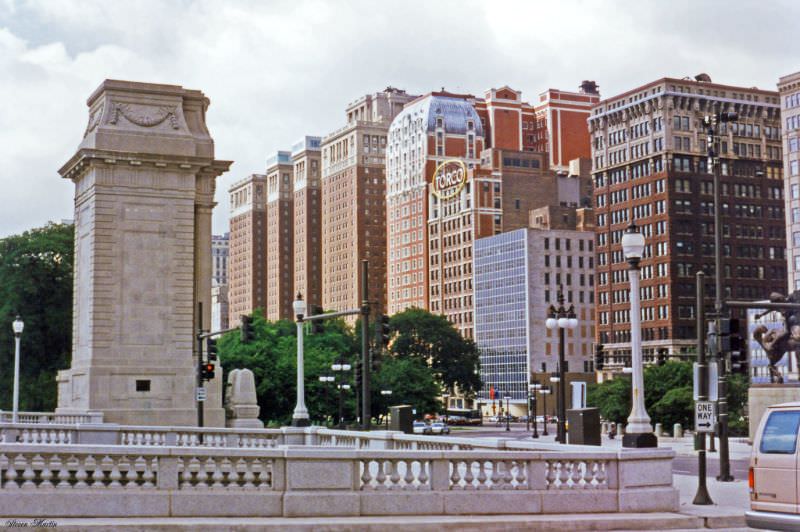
point(449, 178)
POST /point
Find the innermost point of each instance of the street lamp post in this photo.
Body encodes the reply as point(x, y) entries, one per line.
point(300, 415)
point(446, 399)
point(325, 379)
point(639, 432)
point(563, 318)
point(508, 412)
point(339, 370)
point(17, 326)
point(545, 391)
point(387, 394)
point(534, 389)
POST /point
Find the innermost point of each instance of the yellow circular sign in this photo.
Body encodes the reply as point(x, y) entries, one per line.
point(449, 178)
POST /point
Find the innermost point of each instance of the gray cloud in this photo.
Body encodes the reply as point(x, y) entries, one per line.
point(276, 71)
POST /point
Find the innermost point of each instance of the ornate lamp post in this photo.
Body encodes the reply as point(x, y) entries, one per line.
point(387, 394)
point(533, 389)
point(324, 379)
point(446, 400)
point(544, 391)
point(17, 326)
point(562, 318)
point(300, 415)
point(339, 370)
point(639, 432)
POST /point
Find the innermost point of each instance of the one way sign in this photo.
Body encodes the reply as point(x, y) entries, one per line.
point(705, 416)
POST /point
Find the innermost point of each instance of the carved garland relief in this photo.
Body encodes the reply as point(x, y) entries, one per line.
point(143, 119)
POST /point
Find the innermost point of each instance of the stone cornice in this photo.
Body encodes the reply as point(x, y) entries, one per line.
point(85, 157)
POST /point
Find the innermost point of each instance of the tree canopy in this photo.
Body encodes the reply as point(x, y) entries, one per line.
point(36, 283)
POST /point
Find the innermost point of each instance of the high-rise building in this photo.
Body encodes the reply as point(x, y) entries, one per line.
point(353, 200)
point(484, 178)
point(559, 125)
point(789, 89)
point(518, 275)
point(279, 252)
point(307, 161)
point(220, 247)
point(220, 315)
point(247, 276)
point(650, 166)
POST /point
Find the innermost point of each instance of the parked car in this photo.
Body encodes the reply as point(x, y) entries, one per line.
point(439, 428)
point(456, 420)
point(774, 470)
point(420, 427)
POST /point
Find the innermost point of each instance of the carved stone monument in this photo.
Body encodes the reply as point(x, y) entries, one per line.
point(240, 400)
point(144, 179)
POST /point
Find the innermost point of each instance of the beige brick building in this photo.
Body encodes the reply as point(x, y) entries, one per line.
point(247, 276)
point(280, 237)
point(307, 162)
point(353, 200)
point(789, 89)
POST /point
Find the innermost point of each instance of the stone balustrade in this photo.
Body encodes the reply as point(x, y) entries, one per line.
point(51, 417)
point(156, 480)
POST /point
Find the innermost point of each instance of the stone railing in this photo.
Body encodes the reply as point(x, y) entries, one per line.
point(50, 417)
point(42, 480)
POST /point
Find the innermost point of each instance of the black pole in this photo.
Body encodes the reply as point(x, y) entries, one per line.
point(535, 424)
point(199, 366)
point(544, 413)
point(722, 425)
point(366, 368)
point(562, 389)
point(508, 415)
point(702, 496)
point(528, 419)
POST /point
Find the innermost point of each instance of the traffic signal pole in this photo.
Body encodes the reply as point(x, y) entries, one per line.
point(366, 412)
point(702, 496)
point(199, 367)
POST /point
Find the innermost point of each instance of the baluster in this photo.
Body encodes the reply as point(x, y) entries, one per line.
point(27, 472)
point(148, 474)
point(455, 474)
point(395, 476)
point(423, 477)
point(482, 475)
point(469, 477)
point(247, 476)
point(550, 476)
point(94, 473)
point(63, 472)
point(11, 474)
point(577, 474)
point(588, 477)
point(46, 474)
point(518, 480)
point(408, 479)
point(563, 475)
point(600, 474)
point(495, 478)
point(219, 475)
point(184, 474)
point(115, 475)
point(80, 473)
point(381, 477)
point(508, 475)
point(366, 475)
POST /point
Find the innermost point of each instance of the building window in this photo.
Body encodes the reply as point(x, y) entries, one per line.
point(142, 385)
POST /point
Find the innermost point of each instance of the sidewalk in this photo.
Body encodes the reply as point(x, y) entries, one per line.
point(731, 501)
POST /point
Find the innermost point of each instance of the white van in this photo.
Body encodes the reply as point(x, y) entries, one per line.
point(775, 470)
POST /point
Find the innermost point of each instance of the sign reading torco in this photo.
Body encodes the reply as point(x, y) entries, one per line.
point(449, 178)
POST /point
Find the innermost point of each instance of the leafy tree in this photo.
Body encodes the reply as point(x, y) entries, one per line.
point(612, 397)
point(411, 382)
point(433, 340)
point(36, 283)
point(674, 407)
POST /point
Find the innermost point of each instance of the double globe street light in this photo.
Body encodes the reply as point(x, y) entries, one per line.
point(562, 318)
point(18, 325)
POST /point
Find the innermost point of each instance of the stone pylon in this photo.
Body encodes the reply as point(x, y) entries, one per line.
point(144, 179)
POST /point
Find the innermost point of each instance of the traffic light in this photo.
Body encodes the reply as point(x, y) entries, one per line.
point(599, 362)
point(730, 338)
point(739, 363)
point(207, 371)
point(211, 347)
point(661, 357)
point(386, 330)
point(246, 329)
point(358, 374)
point(316, 325)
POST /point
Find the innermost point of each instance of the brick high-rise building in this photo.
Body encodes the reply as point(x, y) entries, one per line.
point(353, 201)
point(279, 252)
point(789, 89)
point(307, 161)
point(247, 285)
point(220, 250)
point(650, 167)
point(430, 235)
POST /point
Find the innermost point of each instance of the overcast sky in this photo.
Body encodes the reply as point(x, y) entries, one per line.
point(275, 71)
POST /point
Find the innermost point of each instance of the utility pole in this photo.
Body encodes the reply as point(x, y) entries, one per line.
point(712, 122)
point(366, 411)
point(702, 496)
point(199, 366)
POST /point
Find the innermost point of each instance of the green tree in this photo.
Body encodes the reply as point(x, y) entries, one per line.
point(36, 283)
point(612, 397)
point(412, 383)
point(674, 407)
point(433, 340)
